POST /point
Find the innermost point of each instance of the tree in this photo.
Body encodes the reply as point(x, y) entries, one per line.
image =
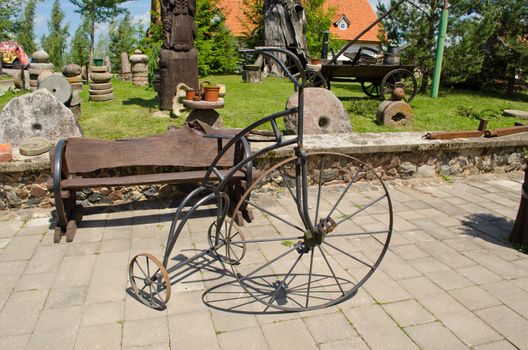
point(55, 42)
point(121, 39)
point(217, 49)
point(253, 23)
point(25, 27)
point(97, 11)
point(80, 45)
point(8, 8)
point(318, 20)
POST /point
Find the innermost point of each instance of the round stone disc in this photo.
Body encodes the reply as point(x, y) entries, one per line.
point(58, 86)
point(34, 146)
point(101, 86)
point(101, 98)
point(101, 92)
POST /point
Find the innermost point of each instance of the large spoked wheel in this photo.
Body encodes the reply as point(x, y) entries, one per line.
point(399, 77)
point(230, 253)
point(291, 268)
point(370, 89)
point(150, 281)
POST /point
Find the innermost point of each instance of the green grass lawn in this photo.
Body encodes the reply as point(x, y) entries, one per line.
point(130, 113)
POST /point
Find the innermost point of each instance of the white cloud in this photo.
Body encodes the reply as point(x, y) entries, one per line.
point(40, 20)
point(141, 19)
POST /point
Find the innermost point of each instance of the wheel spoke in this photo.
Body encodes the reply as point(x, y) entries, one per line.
point(309, 278)
point(330, 267)
point(265, 240)
point(137, 263)
point(332, 235)
point(268, 263)
point(350, 256)
point(360, 210)
point(148, 267)
point(289, 188)
point(272, 299)
point(352, 181)
point(276, 216)
point(319, 189)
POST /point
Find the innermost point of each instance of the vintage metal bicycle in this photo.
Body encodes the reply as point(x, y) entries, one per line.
point(310, 243)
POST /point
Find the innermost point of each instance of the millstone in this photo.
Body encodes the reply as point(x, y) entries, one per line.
point(34, 146)
point(394, 113)
point(77, 86)
point(100, 92)
point(138, 58)
point(101, 86)
point(101, 77)
point(71, 70)
point(44, 75)
point(515, 113)
point(58, 86)
point(40, 56)
point(140, 75)
point(48, 66)
point(139, 67)
point(76, 99)
point(100, 98)
point(75, 79)
point(99, 69)
point(37, 72)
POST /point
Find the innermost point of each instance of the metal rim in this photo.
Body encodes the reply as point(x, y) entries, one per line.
point(371, 89)
point(399, 76)
point(234, 253)
point(158, 282)
point(309, 292)
point(315, 79)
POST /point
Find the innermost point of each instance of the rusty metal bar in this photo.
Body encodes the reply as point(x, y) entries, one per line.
point(506, 131)
point(447, 135)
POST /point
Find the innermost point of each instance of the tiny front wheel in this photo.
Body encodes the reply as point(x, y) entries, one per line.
point(150, 281)
point(230, 253)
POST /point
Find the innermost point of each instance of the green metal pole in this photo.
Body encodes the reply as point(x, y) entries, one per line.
point(440, 50)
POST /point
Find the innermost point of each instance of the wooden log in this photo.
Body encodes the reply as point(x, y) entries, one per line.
point(176, 67)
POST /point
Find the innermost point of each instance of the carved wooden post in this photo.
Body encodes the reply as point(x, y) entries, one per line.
point(178, 57)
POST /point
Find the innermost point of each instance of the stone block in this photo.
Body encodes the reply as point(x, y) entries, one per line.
point(394, 113)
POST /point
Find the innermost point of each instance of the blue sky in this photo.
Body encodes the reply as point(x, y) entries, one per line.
point(138, 8)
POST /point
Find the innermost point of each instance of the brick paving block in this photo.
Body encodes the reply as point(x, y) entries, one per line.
point(14, 342)
point(115, 245)
point(99, 337)
point(158, 346)
point(64, 297)
point(56, 340)
point(462, 244)
point(75, 271)
point(408, 251)
point(225, 321)
point(496, 345)
point(35, 281)
point(474, 298)
point(187, 302)
point(428, 264)
point(20, 248)
point(87, 234)
point(4, 243)
point(398, 239)
point(104, 313)
point(416, 236)
point(470, 329)
point(21, 311)
point(383, 289)
point(497, 265)
point(434, 336)
point(506, 322)
point(434, 229)
point(146, 332)
point(135, 310)
point(522, 283)
point(408, 313)
point(329, 328)
point(83, 249)
point(109, 278)
point(243, 339)
point(408, 215)
point(378, 329)
point(441, 304)
point(46, 259)
point(10, 268)
point(478, 274)
point(396, 267)
point(511, 295)
point(420, 286)
point(193, 330)
point(354, 343)
point(6, 287)
point(63, 319)
point(445, 254)
point(291, 334)
point(449, 279)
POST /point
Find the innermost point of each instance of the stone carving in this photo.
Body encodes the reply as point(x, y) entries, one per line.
point(39, 63)
point(323, 113)
point(36, 114)
point(126, 70)
point(139, 63)
point(101, 85)
point(73, 74)
point(178, 57)
point(394, 113)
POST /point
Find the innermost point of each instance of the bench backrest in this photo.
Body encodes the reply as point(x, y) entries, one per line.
point(182, 147)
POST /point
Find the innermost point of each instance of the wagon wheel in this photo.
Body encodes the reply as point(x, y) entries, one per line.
point(150, 280)
point(231, 253)
point(315, 79)
point(371, 89)
point(290, 268)
point(399, 76)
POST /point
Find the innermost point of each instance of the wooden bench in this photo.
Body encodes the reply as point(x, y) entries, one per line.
point(77, 163)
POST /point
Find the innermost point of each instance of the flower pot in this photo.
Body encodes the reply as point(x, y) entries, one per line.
point(190, 94)
point(315, 61)
point(211, 93)
point(98, 62)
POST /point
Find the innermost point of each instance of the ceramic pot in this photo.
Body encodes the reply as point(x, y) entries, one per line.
point(190, 94)
point(211, 93)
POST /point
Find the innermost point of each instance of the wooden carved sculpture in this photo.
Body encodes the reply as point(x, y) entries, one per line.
point(178, 57)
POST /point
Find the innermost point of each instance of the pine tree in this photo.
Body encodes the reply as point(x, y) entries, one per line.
point(97, 11)
point(121, 39)
point(318, 20)
point(55, 42)
point(217, 49)
point(26, 23)
point(8, 8)
point(253, 23)
point(80, 46)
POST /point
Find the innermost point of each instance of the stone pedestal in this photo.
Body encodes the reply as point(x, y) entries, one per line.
point(39, 64)
point(126, 69)
point(176, 67)
point(139, 63)
point(101, 85)
point(205, 111)
point(72, 73)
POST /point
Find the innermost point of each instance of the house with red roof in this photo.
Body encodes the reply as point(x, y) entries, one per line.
point(352, 17)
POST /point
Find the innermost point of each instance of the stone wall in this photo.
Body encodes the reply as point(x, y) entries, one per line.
point(402, 156)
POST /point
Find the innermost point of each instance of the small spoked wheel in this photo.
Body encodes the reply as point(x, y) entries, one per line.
point(315, 79)
point(230, 248)
point(150, 280)
point(402, 78)
point(303, 260)
point(370, 89)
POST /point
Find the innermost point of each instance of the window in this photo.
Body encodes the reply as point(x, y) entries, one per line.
point(343, 25)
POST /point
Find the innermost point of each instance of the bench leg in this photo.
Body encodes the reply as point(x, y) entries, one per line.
point(71, 228)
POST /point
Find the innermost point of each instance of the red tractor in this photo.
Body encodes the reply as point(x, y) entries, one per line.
point(12, 55)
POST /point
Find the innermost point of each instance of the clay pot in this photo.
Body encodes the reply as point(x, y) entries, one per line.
point(190, 94)
point(196, 98)
point(211, 93)
point(315, 61)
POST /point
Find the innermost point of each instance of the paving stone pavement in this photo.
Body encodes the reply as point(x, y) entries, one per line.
point(448, 281)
